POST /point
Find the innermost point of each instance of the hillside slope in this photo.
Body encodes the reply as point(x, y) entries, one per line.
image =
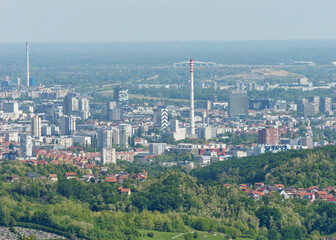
point(292, 168)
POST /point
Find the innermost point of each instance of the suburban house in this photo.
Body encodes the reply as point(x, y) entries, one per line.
point(70, 175)
point(33, 175)
point(53, 177)
point(124, 191)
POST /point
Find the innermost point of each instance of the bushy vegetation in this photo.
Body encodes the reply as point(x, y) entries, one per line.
point(174, 201)
point(315, 167)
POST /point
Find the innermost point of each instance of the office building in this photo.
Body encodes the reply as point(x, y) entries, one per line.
point(280, 105)
point(204, 132)
point(11, 107)
point(305, 108)
point(12, 136)
point(238, 103)
point(301, 104)
point(260, 105)
point(46, 131)
point(161, 119)
point(113, 112)
point(174, 125)
point(120, 96)
point(203, 104)
point(157, 148)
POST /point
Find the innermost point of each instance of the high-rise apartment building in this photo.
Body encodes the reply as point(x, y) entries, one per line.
point(325, 105)
point(115, 137)
point(105, 138)
point(70, 104)
point(84, 107)
point(108, 156)
point(68, 125)
point(269, 135)
point(125, 131)
point(315, 100)
point(36, 125)
point(26, 146)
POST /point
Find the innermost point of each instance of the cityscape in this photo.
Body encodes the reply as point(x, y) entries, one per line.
point(130, 134)
point(168, 120)
point(56, 119)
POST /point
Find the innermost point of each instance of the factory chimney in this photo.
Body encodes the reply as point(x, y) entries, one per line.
point(27, 50)
point(192, 120)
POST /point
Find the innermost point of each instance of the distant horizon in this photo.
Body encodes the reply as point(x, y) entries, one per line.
point(161, 21)
point(176, 41)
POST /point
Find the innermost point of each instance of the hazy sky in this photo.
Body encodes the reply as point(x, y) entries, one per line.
point(170, 20)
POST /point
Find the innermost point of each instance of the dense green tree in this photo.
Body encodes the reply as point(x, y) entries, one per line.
point(267, 215)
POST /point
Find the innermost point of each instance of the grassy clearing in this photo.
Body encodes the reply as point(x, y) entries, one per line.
point(158, 235)
point(180, 236)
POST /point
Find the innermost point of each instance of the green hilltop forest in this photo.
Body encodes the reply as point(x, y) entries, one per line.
point(304, 168)
point(175, 200)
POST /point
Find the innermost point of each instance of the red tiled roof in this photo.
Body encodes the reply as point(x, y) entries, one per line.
point(326, 196)
point(111, 179)
point(123, 177)
point(125, 190)
point(70, 174)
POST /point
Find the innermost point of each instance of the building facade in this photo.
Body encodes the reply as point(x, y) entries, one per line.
point(68, 125)
point(238, 103)
point(26, 146)
point(108, 155)
point(269, 135)
point(36, 126)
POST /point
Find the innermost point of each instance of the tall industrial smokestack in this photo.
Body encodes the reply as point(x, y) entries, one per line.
point(192, 120)
point(27, 50)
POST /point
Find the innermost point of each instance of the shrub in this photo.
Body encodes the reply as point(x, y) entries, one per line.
point(150, 234)
point(188, 236)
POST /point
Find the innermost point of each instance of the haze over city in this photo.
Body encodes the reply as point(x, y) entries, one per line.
point(174, 20)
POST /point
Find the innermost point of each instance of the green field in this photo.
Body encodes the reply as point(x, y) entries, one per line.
point(180, 236)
